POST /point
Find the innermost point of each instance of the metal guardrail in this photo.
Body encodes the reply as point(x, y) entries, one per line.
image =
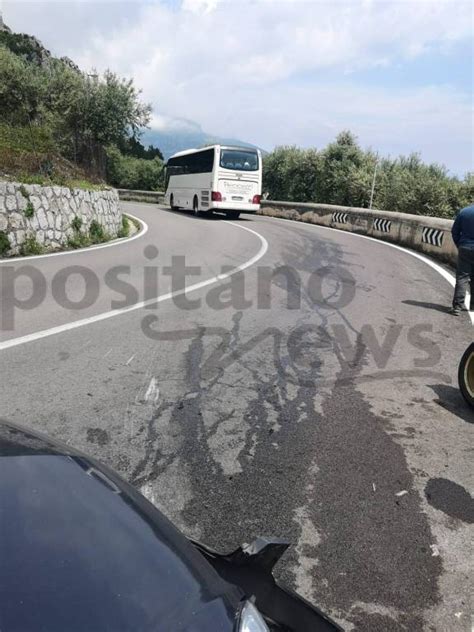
point(132, 195)
point(431, 235)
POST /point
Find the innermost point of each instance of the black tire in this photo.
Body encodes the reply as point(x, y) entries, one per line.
point(196, 210)
point(233, 214)
point(466, 375)
point(172, 206)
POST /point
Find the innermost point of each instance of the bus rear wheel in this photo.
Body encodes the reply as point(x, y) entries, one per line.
point(233, 214)
point(196, 210)
point(172, 206)
point(466, 375)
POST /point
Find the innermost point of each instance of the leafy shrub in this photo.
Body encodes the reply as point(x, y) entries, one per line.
point(76, 223)
point(31, 247)
point(127, 172)
point(125, 228)
point(97, 233)
point(25, 138)
point(80, 240)
point(29, 210)
point(24, 192)
point(4, 244)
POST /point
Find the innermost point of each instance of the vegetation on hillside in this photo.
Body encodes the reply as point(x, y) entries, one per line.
point(58, 123)
point(342, 173)
point(128, 172)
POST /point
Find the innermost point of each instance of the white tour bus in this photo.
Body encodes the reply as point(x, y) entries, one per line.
point(215, 179)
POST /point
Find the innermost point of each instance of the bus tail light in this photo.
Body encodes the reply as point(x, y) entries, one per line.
point(216, 196)
point(256, 199)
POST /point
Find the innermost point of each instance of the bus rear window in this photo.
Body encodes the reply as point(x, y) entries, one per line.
point(239, 160)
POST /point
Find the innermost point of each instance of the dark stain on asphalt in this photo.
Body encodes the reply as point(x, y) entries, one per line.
point(63, 355)
point(98, 436)
point(153, 461)
point(375, 546)
point(451, 498)
point(379, 542)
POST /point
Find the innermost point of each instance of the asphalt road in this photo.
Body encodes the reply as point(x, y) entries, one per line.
point(320, 405)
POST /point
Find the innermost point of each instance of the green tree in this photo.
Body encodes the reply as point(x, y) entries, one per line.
point(127, 172)
point(21, 89)
point(291, 173)
point(342, 174)
point(84, 113)
point(345, 176)
point(114, 111)
point(133, 147)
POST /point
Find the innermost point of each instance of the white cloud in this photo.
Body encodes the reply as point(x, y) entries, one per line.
point(251, 69)
point(161, 122)
point(200, 6)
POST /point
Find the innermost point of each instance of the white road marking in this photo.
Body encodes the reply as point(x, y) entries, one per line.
point(106, 354)
point(45, 333)
point(110, 244)
point(129, 360)
point(450, 278)
point(153, 392)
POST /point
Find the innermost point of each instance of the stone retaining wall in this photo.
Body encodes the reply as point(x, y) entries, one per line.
point(431, 235)
point(46, 214)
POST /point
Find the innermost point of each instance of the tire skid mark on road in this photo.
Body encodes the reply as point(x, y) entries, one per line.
point(280, 413)
point(450, 278)
point(273, 458)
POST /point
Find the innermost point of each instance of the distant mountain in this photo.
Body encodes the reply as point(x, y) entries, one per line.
point(180, 134)
point(3, 26)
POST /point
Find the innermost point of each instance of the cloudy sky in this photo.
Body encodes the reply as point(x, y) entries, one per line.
point(398, 73)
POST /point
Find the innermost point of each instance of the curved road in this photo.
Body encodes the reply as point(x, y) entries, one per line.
point(305, 388)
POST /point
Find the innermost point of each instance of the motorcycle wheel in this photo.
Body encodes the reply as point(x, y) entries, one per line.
point(466, 375)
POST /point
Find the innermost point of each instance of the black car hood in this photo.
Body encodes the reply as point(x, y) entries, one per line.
point(81, 550)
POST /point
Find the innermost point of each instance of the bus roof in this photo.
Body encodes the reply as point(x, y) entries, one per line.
point(198, 149)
